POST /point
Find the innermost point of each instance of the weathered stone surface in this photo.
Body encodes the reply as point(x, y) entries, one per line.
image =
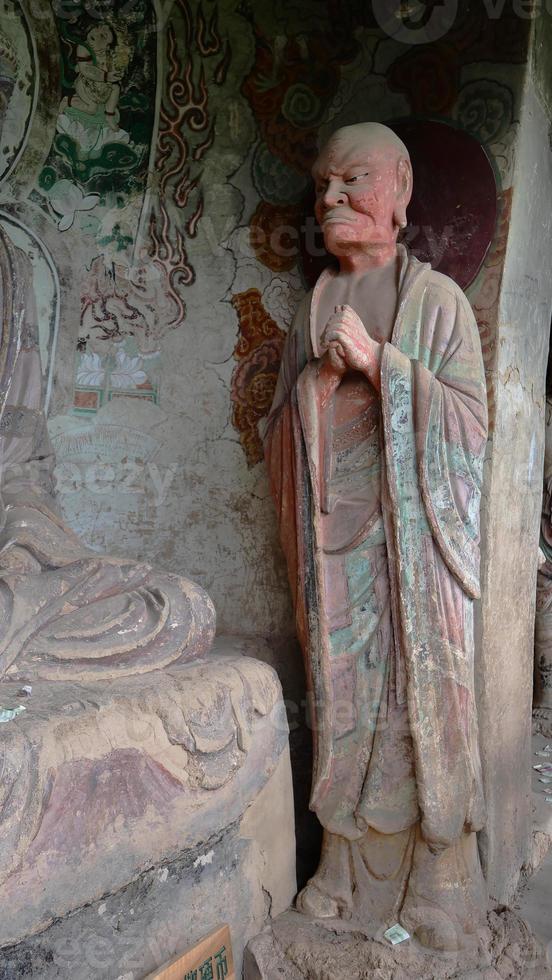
point(542, 812)
point(294, 947)
point(105, 781)
point(533, 903)
point(233, 876)
point(542, 722)
point(511, 511)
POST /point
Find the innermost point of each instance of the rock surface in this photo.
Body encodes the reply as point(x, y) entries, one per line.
point(296, 948)
point(233, 877)
point(106, 784)
point(542, 722)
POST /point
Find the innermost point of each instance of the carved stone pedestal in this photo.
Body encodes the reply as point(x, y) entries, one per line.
point(136, 815)
point(292, 947)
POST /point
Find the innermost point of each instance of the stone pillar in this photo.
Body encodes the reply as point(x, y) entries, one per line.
point(512, 496)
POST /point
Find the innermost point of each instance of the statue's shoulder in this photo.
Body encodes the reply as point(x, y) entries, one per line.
point(446, 293)
point(444, 296)
point(434, 288)
point(441, 285)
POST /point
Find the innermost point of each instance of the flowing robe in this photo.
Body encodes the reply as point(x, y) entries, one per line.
point(433, 435)
point(66, 611)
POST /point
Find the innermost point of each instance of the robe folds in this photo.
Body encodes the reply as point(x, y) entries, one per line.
point(434, 430)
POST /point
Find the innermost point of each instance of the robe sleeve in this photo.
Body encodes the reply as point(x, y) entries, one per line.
point(435, 424)
point(449, 413)
point(290, 425)
point(287, 470)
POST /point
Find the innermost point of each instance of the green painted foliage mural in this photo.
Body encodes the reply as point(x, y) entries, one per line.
point(100, 151)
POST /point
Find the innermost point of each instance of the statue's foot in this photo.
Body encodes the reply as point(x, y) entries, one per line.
point(314, 903)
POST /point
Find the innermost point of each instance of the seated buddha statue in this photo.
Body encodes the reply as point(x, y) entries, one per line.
point(66, 611)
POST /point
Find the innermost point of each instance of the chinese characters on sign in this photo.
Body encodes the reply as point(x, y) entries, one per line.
point(206, 970)
point(209, 959)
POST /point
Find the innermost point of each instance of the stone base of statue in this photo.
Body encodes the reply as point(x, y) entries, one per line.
point(138, 814)
point(293, 947)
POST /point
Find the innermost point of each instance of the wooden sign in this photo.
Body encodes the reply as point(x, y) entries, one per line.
point(210, 959)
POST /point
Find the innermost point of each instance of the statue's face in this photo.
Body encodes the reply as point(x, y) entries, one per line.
point(356, 192)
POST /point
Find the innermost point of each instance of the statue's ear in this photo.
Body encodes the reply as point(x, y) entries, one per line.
point(404, 191)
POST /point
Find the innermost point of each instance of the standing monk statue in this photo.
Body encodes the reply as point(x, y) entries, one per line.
point(375, 446)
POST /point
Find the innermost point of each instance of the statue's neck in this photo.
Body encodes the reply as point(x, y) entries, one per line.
point(372, 293)
point(359, 261)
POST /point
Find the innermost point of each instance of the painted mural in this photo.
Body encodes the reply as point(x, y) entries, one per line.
point(18, 80)
point(155, 157)
point(93, 180)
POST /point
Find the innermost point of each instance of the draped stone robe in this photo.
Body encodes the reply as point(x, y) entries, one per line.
point(433, 435)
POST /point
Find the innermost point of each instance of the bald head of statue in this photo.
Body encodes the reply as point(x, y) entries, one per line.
point(363, 180)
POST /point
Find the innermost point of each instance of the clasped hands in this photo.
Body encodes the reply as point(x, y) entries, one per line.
point(348, 346)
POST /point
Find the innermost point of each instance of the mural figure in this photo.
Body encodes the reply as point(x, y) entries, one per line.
point(8, 75)
point(100, 68)
point(67, 612)
point(375, 446)
point(17, 78)
point(98, 159)
point(542, 701)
